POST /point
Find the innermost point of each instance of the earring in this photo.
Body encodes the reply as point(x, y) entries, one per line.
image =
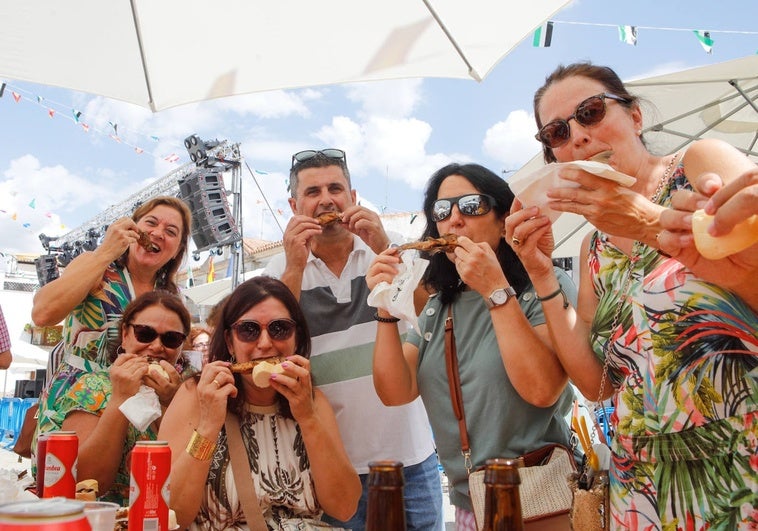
point(120, 350)
point(232, 358)
point(639, 132)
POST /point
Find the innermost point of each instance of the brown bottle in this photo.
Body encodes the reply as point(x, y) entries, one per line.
point(502, 504)
point(385, 509)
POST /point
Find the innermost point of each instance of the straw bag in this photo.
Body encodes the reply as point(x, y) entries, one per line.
point(544, 490)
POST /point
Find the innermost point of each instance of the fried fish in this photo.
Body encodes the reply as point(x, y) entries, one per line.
point(444, 244)
point(327, 218)
point(144, 241)
point(247, 366)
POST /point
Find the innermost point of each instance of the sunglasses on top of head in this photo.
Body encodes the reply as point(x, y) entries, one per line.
point(278, 330)
point(588, 113)
point(331, 153)
point(469, 205)
point(147, 334)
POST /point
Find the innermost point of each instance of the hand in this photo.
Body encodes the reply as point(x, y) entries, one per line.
point(735, 202)
point(126, 374)
point(384, 268)
point(533, 232)
point(296, 386)
point(610, 207)
point(165, 389)
point(119, 236)
point(214, 388)
point(478, 266)
point(297, 235)
point(367, 225)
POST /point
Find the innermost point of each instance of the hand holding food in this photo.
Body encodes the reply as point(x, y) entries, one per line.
point(155, 367)
point(263, 371)
point(742, 236)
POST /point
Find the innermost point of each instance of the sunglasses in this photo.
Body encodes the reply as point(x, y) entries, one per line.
point(588, 113)
point(469, 205)
point(147, 334)
point(331, 153)
point(278, 330)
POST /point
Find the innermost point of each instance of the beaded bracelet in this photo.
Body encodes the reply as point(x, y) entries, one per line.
point(199, 447)
point(385, 319)
point(553, 295)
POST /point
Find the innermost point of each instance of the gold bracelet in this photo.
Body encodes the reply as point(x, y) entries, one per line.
point(199, 447)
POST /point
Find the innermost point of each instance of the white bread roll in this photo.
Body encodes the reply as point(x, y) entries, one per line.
point(742, 236)
point(263, 371)
point(157, 369)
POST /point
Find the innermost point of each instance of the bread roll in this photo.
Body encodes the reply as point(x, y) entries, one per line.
point(263, 371)
point(86, 490)
point(742, 236)
point(156, 368)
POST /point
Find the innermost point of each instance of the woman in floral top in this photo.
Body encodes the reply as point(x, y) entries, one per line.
point(678, 354)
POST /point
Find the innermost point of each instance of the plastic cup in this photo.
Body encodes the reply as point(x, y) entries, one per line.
point(101, 515)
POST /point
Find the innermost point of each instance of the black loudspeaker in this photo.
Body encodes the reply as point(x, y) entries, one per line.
point(212, 221)
point(47, 268)
point(28, 388)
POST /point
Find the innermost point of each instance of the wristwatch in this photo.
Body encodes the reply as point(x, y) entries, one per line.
point(500, 297)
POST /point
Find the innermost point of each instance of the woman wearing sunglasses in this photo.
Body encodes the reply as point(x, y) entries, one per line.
point(152, 331)
point(675, 352)
point(514, 391)
point(294, 453)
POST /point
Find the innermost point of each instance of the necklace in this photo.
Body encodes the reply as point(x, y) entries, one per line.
point(664, 180)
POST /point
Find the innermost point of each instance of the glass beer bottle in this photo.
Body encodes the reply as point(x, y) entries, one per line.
point(385, 507)
point(502, 504)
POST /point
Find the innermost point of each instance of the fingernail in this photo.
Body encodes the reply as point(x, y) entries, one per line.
point(701, 204)
point(688, 219)
point(709, 208)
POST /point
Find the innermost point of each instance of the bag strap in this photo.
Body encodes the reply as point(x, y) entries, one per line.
point(243, 481)
point(454, 381)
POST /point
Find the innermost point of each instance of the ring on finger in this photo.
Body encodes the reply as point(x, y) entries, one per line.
point(216, 382)
point(515, 241)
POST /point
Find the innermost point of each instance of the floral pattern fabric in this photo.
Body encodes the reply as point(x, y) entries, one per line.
point(280, 469)
point(684, 359)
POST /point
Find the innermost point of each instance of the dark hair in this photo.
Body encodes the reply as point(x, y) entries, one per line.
point(166, 275)
point(245, 296)
point(441, 274)
point(605, 75)
point(318, 161)
point(168, 300)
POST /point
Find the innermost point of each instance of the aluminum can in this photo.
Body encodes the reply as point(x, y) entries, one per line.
point(149, 486)
point(41, 452)
point(61, 453)
point(50, 514)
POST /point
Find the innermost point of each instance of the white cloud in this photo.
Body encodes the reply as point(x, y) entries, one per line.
point(394, 99)
point(272, 104)
point(512, 141)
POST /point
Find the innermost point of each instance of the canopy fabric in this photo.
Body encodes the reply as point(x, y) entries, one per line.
point(159, 54)
point(715, 101)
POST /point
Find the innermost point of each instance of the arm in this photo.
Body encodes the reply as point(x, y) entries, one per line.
point(101, 438)
point(56, 299)
point(197, 406)
point(394, 362)
point(6, 358)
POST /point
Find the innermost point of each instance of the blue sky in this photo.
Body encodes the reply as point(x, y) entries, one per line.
point(54, 176)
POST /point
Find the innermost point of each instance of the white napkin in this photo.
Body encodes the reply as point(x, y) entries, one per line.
point(397, 298)
point(143, 408)
point(532, 189)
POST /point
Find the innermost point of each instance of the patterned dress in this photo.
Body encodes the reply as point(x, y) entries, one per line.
point(280, 470)
point(684, 358)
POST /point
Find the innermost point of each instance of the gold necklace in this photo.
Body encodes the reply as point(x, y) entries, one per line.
point(664, 180)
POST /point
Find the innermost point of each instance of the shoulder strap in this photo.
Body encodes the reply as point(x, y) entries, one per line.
point(454, 381)
point(243, 481)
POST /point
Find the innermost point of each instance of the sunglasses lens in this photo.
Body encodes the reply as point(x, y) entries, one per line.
point(172, 339)
point(555, 133)
point(441, 209)
point(474, 205)
point(591, 111)
point(144, 334)
point(333, 153)
point(281, 329)
point(248, 331)
point(304, 155)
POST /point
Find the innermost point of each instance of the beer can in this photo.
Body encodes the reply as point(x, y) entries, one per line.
point(41, 452)
point(50, 514)
point(61, 453)
point(149, 485)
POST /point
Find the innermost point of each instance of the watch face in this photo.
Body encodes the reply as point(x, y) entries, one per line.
point(499, 297)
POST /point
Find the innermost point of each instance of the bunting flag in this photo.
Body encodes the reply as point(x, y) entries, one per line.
point(139, 151)
point(16, 96)
point(2, 90)
point(154, 138)
point(51, 112)
point(40, 99)
point(114, 137)
point(76, 114)
point(543, 35)
point(211, 271)
point(85, 127)
point(115, 128)
point(33, 203)
point(705, 40)
point(172, 158)
point(628, 34)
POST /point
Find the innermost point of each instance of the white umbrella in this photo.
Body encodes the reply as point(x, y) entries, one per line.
point(163, 53)
point(715, 101)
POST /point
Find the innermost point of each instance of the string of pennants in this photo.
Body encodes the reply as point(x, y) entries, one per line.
point(543, 36)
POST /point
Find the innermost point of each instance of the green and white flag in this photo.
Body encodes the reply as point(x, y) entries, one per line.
point(705, 40)
point(543, 35)
point(628, 34)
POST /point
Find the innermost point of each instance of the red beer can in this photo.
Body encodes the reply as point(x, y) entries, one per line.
point(149, 486)
point(52, 514)
point(41, 452)
point(61, 453)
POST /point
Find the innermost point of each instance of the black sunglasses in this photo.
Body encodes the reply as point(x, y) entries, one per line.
point(331, 153)
point(147, 334)
point(278, 330)
point(469, 205)
point(588, 113)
